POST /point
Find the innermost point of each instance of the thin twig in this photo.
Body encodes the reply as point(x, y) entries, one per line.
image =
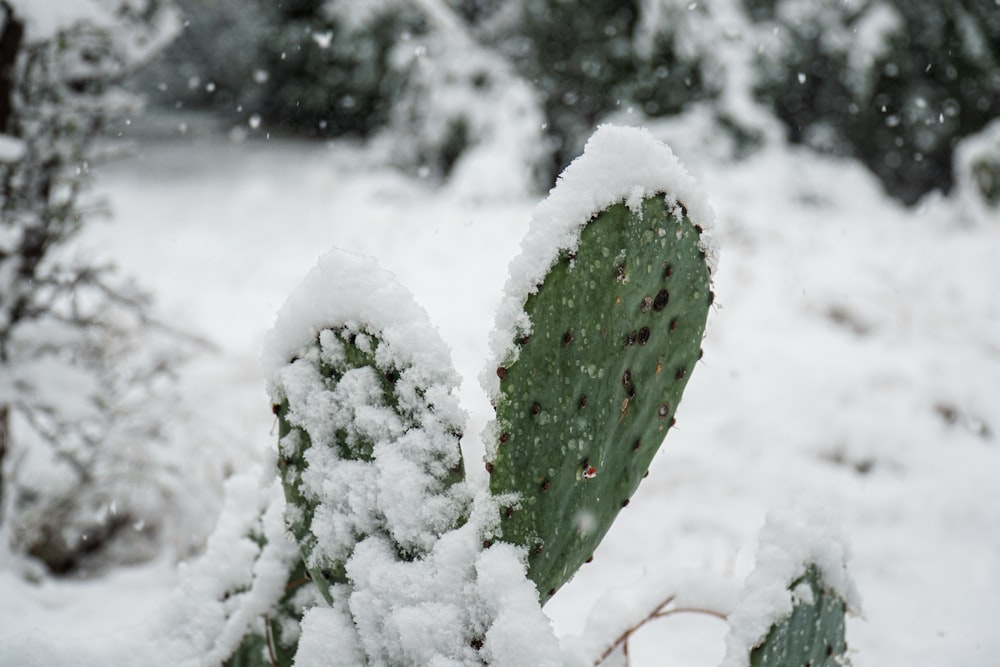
point(301, 581)
point(692, 610)
point(657, 613)
point(623, 638)
point(267, 640)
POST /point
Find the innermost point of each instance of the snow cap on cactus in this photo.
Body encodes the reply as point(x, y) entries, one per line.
point(618, 164)
point(345, 289)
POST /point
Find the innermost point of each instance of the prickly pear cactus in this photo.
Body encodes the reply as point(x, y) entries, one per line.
point(594, 375)
point(368, 428)
point(372, 473)
point(813, 634)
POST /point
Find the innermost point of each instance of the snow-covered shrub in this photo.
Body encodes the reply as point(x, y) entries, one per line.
point(891, 82)
point(410, 560)
point(462, 112)
point(87, 452)
point(588, 59)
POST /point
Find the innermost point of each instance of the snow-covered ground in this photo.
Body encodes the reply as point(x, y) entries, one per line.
point(851, 363)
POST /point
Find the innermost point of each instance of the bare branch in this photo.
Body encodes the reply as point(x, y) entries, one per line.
point(659, 612)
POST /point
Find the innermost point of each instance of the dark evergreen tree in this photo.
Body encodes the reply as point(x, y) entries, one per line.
point(325, 77)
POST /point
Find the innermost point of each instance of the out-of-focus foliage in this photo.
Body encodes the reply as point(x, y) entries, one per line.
point(894, 83)
point(326, 76)
point(214, 62)
point(462, 111)
point(88, 465)
point(301, 66)
point(590, 58)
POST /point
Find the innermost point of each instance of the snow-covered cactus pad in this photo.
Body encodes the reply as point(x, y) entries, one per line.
point(369, 428)
point(794, 603)
point(813, 634)
point(240, 604)
point(598, 335)
point(369, 454)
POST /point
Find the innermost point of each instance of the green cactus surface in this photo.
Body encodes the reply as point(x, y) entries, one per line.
point(252, 652)
point(616, 331)
point(813, 634)
point(335, 355)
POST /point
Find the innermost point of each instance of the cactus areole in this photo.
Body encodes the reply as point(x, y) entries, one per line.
point(599, 355)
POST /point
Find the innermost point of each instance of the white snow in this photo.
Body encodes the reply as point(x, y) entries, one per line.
point(347, 296)
point(323, 627)
point(430, 611)
point(396, 623)
point(852, 362)
point(345, 289)
point(619, 164)
point(135, 39)
point(11, 148)
point(872, 34)
point(193, 615)
point(627, 607)
point(45, 18)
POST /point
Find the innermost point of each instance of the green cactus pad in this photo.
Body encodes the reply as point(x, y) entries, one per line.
point(616, 331)
point(813, 634)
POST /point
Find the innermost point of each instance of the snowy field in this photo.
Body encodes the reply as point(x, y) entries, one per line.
point(852, 362)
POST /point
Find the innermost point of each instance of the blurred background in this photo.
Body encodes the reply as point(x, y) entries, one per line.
point(895, 85)
point(169, 169)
